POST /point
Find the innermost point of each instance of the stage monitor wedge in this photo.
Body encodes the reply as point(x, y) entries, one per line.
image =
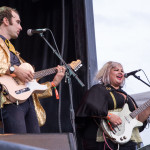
point(52, 141)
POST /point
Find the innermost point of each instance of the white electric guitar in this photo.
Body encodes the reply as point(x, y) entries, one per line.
point(19, 92)
point(122, 133)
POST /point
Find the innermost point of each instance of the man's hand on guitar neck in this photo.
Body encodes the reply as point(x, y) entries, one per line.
point(60, 74)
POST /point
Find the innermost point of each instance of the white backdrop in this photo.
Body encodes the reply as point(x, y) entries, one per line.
point(122, 30)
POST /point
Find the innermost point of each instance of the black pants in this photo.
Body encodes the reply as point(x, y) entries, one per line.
point(20, 118)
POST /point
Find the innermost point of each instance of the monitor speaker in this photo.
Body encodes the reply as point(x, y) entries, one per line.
point(53, 141)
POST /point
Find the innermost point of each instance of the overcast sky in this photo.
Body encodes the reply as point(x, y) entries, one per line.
point(122, 30)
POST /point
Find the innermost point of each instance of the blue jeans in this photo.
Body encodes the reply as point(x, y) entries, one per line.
point(20, 118)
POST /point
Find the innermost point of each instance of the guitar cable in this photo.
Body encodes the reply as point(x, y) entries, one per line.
point(107, 143)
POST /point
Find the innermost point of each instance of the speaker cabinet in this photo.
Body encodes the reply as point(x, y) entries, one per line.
point(54, 141)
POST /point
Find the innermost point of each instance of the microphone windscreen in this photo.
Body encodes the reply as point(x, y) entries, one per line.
point(125, 75)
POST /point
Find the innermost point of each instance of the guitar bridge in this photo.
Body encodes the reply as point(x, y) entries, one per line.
point(22, 90)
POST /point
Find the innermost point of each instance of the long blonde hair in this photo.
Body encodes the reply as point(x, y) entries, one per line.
point(103, 74)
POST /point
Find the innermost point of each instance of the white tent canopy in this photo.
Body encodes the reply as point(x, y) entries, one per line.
point(141, 98)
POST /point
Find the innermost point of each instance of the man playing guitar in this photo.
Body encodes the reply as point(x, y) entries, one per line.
point(28, 116)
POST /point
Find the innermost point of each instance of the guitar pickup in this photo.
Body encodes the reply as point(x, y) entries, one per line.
point(22, 90)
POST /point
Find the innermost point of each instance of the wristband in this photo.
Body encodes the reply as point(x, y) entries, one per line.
point(109, 116)
point(13, 75)
point(56, 92)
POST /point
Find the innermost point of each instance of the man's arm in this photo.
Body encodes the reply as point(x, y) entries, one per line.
point(60, 74)
point(57, 79)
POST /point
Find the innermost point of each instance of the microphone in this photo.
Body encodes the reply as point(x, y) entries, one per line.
point(30, 32)
point(126, 75)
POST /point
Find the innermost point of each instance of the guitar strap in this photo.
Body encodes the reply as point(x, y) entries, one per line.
point(10, 46)
point(132, 101)
point(113, 97)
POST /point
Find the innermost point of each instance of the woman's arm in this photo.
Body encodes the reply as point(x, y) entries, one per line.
point(144, 115)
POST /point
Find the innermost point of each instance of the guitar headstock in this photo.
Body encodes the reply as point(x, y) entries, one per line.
point(75, 65)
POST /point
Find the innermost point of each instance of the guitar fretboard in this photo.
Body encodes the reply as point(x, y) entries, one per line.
point(75, 65)
point(140, 109)
point(43, 73)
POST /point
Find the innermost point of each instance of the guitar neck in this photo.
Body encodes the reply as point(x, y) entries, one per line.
point(43, 73)
point(75, 65)
point(140, 109)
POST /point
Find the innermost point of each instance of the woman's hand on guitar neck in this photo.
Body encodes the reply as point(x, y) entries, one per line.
point(23, 74)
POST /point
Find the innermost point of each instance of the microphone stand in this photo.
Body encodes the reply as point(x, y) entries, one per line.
point(138, 77)
point(68, 69)
point(69, 73)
